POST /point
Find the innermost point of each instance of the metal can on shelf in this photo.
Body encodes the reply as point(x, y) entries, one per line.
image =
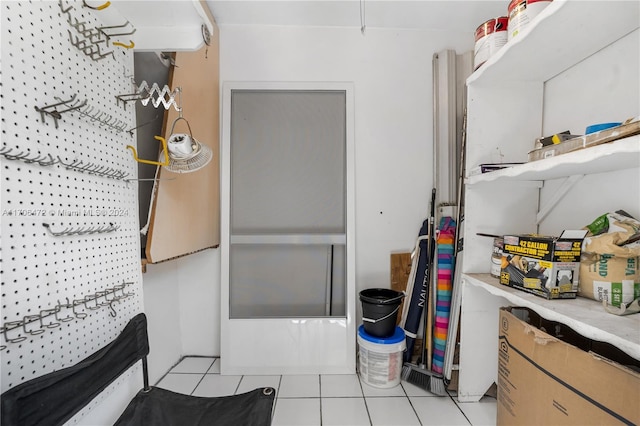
point(496, 257)
point(489, 38)
point(522, 12)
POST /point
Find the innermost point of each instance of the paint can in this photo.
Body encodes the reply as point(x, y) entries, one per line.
point(490, 37)
point(496, 257)
point(522, 12)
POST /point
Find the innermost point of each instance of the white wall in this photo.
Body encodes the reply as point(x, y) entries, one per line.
point(603, 88)
point(162, 307)
point(391, 71)
point(182, 303)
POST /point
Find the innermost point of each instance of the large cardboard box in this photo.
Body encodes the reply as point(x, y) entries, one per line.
point(543, 265)
point(559, 379)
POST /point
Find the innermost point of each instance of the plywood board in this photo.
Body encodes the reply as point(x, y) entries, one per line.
point(400, 271)
point(185, 211)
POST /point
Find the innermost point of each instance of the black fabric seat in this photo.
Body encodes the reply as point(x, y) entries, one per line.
point(56, 397)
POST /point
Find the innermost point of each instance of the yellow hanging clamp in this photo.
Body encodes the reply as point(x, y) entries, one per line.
point(153, 163)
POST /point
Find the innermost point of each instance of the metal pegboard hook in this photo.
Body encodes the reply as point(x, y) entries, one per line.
point(59, 309)
point(12, 325)
point(79, 315)
point(101, 7)
point(112, 311)
point(131, 44)
point(113, 27)
point(28, 319)
point(88, 299)
point(46, 313)
point(62, 9)
point(65, 231)
point(153, 163)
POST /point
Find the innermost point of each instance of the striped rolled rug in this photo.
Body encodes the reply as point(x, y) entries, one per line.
point(445, 263)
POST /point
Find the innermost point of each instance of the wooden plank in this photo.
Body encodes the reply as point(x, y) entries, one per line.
point(400, 271)
point(185, 212)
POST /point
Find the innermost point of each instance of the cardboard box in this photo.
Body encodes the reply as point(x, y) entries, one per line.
point(545, 266)
point(543, 380)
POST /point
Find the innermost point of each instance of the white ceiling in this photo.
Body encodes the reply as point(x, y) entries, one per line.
point(461, 15)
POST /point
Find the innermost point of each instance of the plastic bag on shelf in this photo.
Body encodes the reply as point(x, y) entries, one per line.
point(610, 262)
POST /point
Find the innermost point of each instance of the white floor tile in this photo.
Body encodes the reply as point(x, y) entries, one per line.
point(249, 383)
point(391, 411)
point(413, 390)
point(482, 413)
point(434, 411)
point(300, 386)
point(217, 385)
point(297, 412)
point(193, 365)
point(372, 391)
point(340, 385)
point(181, 383)
point(215, 368)
point(344, 412)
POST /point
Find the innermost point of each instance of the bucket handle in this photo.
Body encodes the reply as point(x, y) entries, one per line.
point(383, 318)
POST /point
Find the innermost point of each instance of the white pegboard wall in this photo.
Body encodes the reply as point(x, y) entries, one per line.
point(39, 270)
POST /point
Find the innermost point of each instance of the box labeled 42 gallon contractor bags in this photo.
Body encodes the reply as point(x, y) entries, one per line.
point(543, 265)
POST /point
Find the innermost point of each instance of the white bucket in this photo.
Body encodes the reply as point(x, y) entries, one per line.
point(381, 358)
point(522, 12)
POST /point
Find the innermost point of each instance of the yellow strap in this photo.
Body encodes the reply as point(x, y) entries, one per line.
point(153, 163)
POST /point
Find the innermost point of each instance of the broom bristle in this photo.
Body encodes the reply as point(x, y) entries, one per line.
point(437, 387)
point(424, 379)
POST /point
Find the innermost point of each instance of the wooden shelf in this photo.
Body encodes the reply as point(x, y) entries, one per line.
point(618, 155)
point(585, 316)
point(563, 34)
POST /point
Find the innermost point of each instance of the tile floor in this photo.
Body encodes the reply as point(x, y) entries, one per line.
point(331, 399)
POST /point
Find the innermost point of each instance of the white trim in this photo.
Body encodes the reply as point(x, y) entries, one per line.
point(336, 239)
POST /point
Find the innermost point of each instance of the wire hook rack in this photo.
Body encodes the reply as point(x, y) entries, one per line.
point(76, 165)
point(50, 318)
point(94, 169)
point(68, 231)
point(52, 110)
point(28, 157)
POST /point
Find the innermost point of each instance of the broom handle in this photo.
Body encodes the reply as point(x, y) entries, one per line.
point(427, 319)
point(429, 338)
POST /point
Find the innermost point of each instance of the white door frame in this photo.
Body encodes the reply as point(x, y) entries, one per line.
point(315, 345)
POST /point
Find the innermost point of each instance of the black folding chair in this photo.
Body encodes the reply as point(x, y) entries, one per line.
point(56, 397)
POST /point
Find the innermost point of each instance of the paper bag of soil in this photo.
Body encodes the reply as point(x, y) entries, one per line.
point(610, 262)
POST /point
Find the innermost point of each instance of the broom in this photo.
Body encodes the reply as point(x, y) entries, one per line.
point(421, 375)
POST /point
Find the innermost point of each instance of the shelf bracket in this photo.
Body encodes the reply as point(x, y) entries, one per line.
point(561, 192)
